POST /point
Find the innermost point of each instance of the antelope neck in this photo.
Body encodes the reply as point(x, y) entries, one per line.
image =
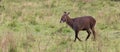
point(69, 21)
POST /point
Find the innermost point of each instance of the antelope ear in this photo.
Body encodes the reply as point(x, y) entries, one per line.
point(68, 13)
point(65, 12)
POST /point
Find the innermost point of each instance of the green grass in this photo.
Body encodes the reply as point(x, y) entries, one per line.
point(33, 26)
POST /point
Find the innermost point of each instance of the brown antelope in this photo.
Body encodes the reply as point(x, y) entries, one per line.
point(85, 23)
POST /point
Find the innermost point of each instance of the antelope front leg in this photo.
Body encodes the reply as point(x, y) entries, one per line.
point(76, 36)
point(75, 39)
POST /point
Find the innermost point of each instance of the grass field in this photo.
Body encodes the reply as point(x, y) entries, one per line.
point(33, 26)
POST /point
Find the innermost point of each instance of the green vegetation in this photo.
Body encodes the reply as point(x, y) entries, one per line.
point(33, 26)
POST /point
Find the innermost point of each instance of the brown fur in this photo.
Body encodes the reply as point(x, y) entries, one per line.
point(86, 23)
